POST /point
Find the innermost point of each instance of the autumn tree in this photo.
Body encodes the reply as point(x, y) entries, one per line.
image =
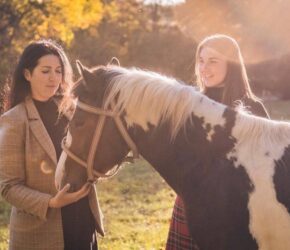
point(137, 38)
point(98, 43)
point(25, 20)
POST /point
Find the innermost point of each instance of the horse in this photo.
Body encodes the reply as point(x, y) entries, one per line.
point(230, 168)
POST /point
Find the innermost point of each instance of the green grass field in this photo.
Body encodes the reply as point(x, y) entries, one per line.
point(137, 203)
point(4, 220)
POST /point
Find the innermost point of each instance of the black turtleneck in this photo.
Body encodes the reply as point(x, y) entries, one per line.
point(56, 126)
point(215, 93)
point(252, 106)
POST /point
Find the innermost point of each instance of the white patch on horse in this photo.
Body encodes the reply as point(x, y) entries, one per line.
point(59, 172)
point(210, 134)
point(209, 130)
point(150, 98)
point(269, 219)
point(212, 114)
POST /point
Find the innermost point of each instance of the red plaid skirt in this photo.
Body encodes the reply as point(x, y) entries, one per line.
point(179, 237)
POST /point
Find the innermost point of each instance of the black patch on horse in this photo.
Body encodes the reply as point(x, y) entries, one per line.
point(217, 204)
point(282, 179)
point(214, 191)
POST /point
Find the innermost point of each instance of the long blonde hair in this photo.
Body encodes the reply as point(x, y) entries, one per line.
point(236, 82)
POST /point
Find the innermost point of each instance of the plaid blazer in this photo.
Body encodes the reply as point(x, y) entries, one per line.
point(27, 166)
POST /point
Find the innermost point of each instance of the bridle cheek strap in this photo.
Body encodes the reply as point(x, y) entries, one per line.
point(126, 137)
point(94, 145)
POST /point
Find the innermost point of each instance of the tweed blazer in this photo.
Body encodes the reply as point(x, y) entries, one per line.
point(27, 166)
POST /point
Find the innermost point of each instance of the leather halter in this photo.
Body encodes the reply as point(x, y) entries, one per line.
point(93, 175)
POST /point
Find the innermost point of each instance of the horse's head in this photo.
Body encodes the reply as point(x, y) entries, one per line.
point(93, 137)
point(115, 104)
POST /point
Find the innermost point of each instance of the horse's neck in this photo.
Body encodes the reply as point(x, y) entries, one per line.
point(210, 111)
point(193, 147)
point(156, 148)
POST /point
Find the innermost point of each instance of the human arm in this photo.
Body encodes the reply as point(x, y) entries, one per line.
point(63, 197)
point(13, 173)
point(12, 170)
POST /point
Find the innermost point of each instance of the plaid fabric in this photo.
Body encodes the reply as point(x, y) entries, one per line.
point(27, 166)
point(179, 237)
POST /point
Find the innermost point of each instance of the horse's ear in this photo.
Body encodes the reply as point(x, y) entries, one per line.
point(80, 67)
point(114, 61)
point(84, 72)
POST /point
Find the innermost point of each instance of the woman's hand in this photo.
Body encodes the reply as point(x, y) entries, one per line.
point(63, 198)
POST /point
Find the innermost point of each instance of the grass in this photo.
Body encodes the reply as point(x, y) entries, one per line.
point(137, 203)
point(4, 220)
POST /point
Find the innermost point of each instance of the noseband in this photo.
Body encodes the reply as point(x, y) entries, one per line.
point(93, 175)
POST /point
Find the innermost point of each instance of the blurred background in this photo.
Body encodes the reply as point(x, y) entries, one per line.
point(159, 35)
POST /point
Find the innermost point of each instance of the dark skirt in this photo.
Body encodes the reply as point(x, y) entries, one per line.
point(179, 237)
point(79, 226)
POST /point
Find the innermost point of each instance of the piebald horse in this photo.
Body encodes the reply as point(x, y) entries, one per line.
point(231, 169)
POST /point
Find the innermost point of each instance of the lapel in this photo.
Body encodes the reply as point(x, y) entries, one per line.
point(38, 129)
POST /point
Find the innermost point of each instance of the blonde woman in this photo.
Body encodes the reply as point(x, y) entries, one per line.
point(222, 76)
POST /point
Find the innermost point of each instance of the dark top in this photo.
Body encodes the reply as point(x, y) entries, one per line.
point(77, 219)
point(252, 106)
point(55, 127)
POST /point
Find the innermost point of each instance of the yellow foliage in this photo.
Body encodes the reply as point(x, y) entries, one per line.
point(57, 19)
point(65, 16)
point(78, 13)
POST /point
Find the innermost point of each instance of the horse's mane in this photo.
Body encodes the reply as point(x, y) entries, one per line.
point(260, 134)
point(160, 98)
point(154, 96)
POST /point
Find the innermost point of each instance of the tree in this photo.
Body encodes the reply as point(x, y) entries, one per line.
point(137, 39)
point(25, 20)
point(111, 37)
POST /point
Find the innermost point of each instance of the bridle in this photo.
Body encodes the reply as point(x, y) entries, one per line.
point(103, 112)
